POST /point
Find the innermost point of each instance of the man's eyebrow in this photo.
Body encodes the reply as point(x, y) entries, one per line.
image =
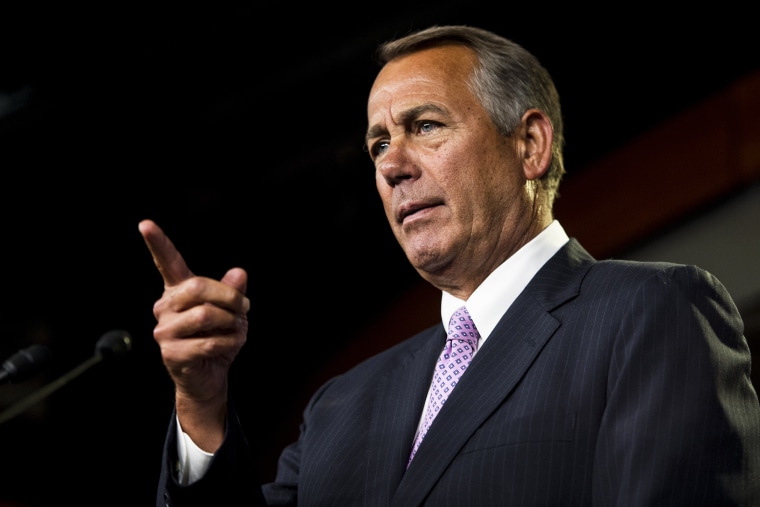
point(373, 132)
point(404, 118)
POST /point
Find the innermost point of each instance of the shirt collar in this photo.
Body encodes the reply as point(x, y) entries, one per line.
point(494, 296)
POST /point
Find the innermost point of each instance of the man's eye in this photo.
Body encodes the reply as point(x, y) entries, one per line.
point(425, 127)
point(378, 148)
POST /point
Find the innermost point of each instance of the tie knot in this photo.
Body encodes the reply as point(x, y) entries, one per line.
point(462, 327)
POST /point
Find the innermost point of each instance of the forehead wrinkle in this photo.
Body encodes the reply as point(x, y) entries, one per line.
point(405, 117)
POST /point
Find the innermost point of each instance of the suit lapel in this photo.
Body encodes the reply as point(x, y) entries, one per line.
point(495, 371)
point(401, 396)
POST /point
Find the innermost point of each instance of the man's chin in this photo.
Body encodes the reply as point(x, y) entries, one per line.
point(425, 256)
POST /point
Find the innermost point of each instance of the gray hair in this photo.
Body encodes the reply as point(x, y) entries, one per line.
point(507, 81)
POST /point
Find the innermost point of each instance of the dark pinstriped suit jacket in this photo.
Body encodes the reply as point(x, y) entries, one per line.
point(606, 383)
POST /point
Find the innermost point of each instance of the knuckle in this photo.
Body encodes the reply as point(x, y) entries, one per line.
point(203, 317)
point(193, 285)
point(158, 308)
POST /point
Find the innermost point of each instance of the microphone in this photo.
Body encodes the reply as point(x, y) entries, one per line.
point(25, 363)
point(112, 345)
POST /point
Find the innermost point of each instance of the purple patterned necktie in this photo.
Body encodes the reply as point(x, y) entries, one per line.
point(456, 356)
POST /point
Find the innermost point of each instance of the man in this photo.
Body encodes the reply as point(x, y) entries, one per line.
point(590, 382)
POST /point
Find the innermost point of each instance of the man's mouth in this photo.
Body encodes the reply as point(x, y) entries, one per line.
point(407, 210)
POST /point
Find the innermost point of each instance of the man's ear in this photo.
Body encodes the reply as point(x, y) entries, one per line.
point(538, 138)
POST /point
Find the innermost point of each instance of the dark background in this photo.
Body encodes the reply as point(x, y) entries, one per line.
point(239, 130)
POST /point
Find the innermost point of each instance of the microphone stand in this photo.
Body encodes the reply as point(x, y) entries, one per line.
point(46, 391)
point(111, 344)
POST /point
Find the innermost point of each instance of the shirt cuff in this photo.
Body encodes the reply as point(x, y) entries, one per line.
point(193, 461)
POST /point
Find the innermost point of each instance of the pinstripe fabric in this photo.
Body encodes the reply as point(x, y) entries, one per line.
point(605, 384)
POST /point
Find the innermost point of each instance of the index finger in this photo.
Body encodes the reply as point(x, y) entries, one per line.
point(166, 257)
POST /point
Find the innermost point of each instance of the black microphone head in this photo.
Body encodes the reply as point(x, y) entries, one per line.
point(26, 362)
point(114, 343)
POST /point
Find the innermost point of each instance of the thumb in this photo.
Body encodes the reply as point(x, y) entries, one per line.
point(237, 278)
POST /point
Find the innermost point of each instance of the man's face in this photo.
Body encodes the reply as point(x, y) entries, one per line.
point(452, 187)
